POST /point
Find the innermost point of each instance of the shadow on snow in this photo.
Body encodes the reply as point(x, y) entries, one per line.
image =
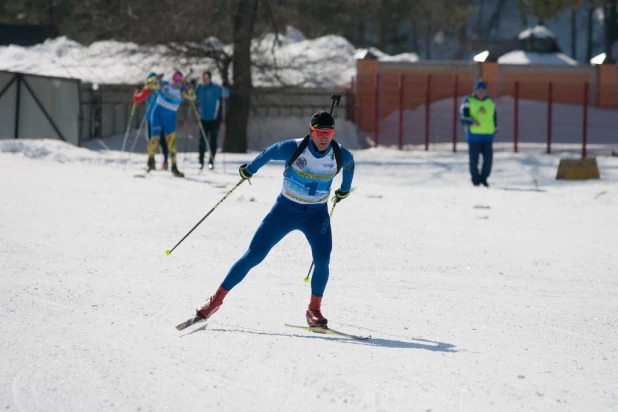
point(414, 343)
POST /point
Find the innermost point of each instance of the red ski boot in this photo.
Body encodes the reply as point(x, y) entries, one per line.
point(314, 316)
point(212, 304)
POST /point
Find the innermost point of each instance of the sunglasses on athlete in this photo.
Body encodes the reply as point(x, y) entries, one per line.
point(323, 132)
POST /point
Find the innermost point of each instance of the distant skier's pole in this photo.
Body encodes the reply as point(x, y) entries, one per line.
point(188, 117)
point(336, 99)
point(169, 252)
point(223, 132)
point(138, 133)
point(135, 140)
point(126, 134)
point(197, 118)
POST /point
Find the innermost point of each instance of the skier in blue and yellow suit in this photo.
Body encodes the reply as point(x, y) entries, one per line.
point(149, 95)
point(302, 205)
point(162, 118)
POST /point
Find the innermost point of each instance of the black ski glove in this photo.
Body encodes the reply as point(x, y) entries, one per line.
point(244, 173)
point(339, 196)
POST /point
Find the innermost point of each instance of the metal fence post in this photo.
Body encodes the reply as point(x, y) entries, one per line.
point(427, 107)
point(455, 91)
point(17, 104)
point(400, 140)
point(549, 115)
point(585, 121)
point(376, 127)
point(516, 118)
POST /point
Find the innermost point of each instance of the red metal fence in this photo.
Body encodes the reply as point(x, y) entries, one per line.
point(403, 110)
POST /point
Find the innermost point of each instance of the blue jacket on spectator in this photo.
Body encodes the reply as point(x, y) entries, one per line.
point(209, 100)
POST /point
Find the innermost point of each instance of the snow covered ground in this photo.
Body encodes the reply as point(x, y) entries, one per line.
point(499, 299)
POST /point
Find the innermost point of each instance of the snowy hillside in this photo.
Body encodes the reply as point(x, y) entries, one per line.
point(499, 299)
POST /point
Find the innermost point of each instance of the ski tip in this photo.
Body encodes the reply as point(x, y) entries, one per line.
point(189, 322)
point(168, 252)
point(185, 324)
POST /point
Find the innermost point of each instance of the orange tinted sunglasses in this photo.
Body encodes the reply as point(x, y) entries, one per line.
point(323, 132)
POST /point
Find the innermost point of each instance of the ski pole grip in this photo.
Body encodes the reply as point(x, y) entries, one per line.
point(336, 99)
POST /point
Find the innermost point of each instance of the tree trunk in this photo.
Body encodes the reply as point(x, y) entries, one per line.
point(611, 28)
point(574, 33)
point(589, 32)
point(428, 42)
point(493, 22)
point(360, 33)
point(480, 31)
point(464, 46)
point(240, 96)
point(383, 25)
point(415, 46)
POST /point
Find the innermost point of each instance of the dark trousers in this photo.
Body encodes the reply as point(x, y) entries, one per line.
point(476, 149)
point(285, 217)
point(162, 143)
point(211, 128)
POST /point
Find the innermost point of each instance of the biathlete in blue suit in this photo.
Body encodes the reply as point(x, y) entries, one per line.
point(302, 205)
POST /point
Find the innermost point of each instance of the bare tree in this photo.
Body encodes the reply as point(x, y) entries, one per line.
point(610, 20)
point(574, 33)
point(589, 27)
point(240, 98)
point(433, 16)
point(546, 9)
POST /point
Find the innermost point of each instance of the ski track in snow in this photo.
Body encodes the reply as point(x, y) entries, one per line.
point(499, 299)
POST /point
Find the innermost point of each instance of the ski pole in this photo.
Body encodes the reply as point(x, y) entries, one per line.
point(223, 132)
point(139, 130)
point(169, 252)
point(188, 117)
point(126, 134)
point(197, 117)
point(311, 267)
point(336, 99)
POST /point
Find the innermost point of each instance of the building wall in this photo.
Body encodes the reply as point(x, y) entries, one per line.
point(33, 106)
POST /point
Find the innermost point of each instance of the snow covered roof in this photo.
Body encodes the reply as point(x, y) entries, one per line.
point(598, 59)
point(538, 31)
point(373, 52)
point(402, 57)
point(522, 57)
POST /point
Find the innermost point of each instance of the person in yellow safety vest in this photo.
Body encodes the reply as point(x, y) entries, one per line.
point(478, 113)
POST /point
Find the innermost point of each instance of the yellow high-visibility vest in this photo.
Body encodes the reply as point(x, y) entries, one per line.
point(483, 112)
